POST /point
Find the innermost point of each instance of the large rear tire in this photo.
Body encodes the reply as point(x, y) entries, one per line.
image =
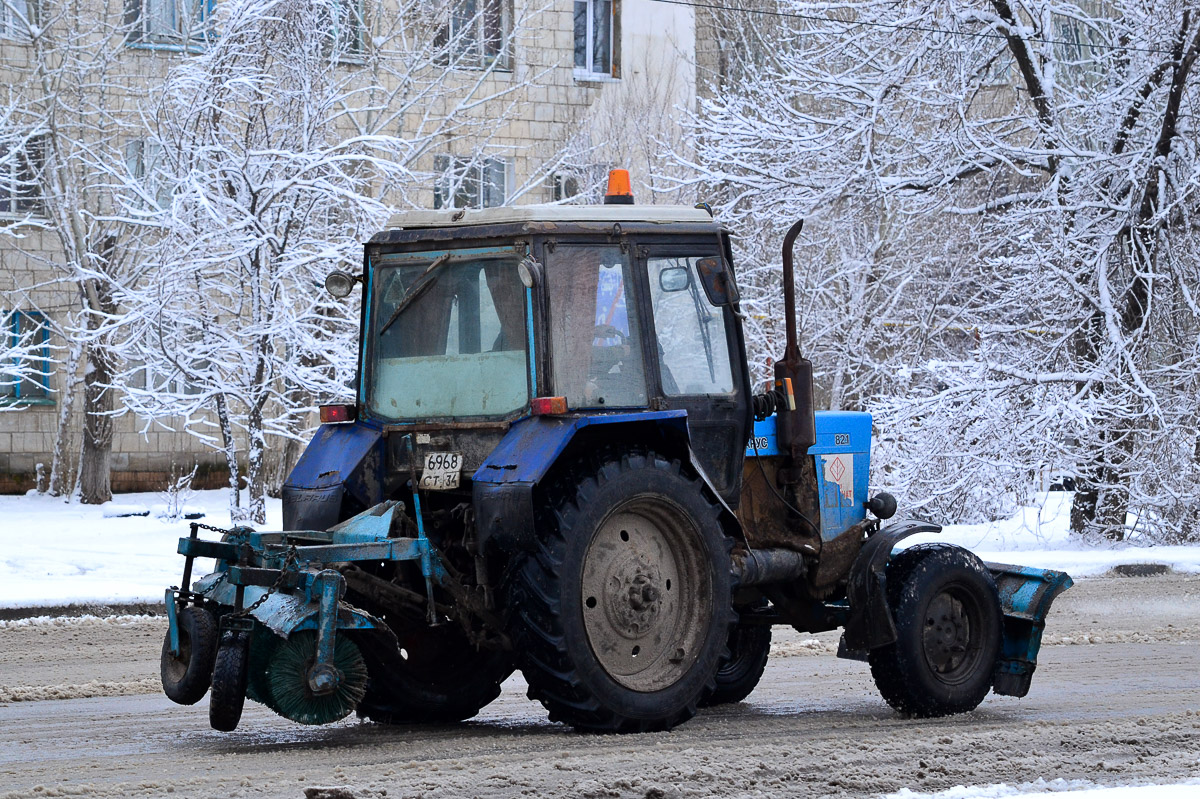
point(622, 612)
point(438, 677)
point(948, 623)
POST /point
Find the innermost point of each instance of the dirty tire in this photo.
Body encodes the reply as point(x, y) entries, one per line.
point(948, 623)
point(185, 678)
point(621, 613)
point(749, 647)
point(440, 677)
point(229, 681)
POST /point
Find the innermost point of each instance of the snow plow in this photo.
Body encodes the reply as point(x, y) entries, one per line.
point(555, 462)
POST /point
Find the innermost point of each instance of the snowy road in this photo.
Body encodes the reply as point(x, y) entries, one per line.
point(1122, 710)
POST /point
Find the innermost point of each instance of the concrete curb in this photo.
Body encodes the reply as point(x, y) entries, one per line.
point(77, 609)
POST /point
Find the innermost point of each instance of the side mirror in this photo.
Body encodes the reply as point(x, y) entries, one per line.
point(340, 284)
point(675, 278)
point(717, 281)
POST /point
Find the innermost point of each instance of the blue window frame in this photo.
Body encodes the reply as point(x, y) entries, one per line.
point(28, 377)
point(169, 24)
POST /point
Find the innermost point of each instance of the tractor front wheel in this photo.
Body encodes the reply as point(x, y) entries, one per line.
point(622, 612)
point(948, 625)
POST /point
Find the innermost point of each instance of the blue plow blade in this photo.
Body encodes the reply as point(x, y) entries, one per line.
point(1026, 594)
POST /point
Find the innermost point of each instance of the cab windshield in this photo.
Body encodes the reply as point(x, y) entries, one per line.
point(447, 336)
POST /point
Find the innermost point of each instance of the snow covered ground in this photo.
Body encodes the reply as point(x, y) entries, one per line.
point(55, 553)
point(1058, 789)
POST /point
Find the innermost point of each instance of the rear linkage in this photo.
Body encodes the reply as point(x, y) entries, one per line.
point(277, 585)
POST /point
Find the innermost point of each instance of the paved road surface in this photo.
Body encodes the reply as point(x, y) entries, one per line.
point(1116, 700)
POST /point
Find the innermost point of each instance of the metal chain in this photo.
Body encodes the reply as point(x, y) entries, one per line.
point(200, 526)
point(289, 564)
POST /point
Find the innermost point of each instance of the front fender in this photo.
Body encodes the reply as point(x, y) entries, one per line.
point(870, 623)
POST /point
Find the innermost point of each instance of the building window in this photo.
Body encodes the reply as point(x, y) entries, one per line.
point(471, 183)
point(477, 33)
point(169, 22)
point(15, 16)
point(597, 38)
point(21, 165)
point(144, 160)
point(27, 375)
point(346, 30)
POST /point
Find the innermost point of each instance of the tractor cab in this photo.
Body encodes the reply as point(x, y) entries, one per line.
point(474, 321)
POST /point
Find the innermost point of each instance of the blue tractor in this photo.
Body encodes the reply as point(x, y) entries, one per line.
point(556, 462)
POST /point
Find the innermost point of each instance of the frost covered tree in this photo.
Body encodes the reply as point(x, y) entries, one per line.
point(65, 107)
point(1002, 243)
point(278, 149)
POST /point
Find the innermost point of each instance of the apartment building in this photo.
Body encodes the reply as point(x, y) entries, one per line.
point(570, 88)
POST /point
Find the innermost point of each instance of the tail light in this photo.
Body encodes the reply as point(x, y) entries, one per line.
point(334, 414)
point(548, 406)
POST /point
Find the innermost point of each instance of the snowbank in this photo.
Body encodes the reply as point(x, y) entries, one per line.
point(55, 553)
point(1039, 535)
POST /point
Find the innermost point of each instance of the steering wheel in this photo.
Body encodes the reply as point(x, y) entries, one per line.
point(609, 331)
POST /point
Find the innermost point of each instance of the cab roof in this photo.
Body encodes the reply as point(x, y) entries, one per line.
point(534, 214)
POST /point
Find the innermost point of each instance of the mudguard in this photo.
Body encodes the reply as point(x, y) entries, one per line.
point(502, 488)
point(870, 624)
point(341, 459)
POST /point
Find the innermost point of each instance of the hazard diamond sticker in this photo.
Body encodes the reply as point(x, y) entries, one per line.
point(839, 469)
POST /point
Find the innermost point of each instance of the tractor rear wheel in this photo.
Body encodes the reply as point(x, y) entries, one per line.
point(948, 625)
point(438, 676)
point(749, 648)
point(185, 677)
point(622, 612)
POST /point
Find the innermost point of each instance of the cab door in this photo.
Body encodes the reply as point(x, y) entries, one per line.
point(694, 358)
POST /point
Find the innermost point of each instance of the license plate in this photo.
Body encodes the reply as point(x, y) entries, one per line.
point(442, 470)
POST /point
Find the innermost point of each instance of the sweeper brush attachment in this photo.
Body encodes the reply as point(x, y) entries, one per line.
point(292, 697)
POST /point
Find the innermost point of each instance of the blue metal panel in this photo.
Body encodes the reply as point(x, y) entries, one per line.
point(842, 456)
point(333, 454)
point(1025, 597)
point(763, 443)
point(532, 444)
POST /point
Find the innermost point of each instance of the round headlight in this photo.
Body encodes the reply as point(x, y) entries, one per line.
point(527, 270)
point(340, 284)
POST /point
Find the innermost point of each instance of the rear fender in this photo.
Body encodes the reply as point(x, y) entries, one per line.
point(340, 460)
point(503, 487)
point(1025, 597)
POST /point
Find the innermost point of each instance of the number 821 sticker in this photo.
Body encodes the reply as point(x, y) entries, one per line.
point(442, 470)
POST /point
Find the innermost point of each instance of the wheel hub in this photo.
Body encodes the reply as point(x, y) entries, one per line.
point(947, 634)
point(642, 603)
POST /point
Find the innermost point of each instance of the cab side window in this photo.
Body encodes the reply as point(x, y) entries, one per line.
point(693, 353)
point(594, 333)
